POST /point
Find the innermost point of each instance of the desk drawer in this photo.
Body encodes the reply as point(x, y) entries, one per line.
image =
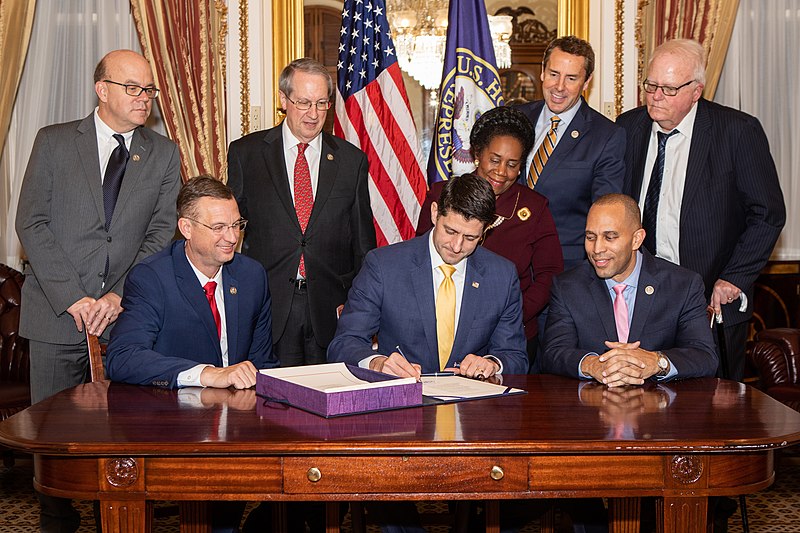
point(400, 474)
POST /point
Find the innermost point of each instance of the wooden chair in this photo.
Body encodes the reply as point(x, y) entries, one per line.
point(97, 351)
point(15, 383)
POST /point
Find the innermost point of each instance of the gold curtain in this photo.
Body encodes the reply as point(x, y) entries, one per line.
point(16, 21)
point(709, 22)
point(184, 40)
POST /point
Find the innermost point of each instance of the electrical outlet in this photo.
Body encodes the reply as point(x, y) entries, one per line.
point(608, 110)
point(255, 118)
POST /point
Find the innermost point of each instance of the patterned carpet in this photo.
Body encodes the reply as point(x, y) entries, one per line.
point(775, 510)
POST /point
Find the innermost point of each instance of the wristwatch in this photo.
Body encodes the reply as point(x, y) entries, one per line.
point(663, 365)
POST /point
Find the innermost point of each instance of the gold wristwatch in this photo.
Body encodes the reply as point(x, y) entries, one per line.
point(663, 365)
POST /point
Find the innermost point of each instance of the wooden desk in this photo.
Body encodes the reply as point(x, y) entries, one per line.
point(682, 442)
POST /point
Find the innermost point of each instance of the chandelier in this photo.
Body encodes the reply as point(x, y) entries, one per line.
point(419, 31)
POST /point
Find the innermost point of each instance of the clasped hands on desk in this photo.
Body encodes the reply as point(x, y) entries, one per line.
point(681, 442)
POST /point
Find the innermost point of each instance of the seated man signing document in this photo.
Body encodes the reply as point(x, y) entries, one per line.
point(196, 313)
point(439, 301)
point(624, 316)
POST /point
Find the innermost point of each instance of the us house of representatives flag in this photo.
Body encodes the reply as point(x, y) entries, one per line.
point(373, 113)
point(470, 85)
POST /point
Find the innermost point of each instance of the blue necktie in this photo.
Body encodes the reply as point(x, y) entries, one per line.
point(650, 215)
point(112, 181)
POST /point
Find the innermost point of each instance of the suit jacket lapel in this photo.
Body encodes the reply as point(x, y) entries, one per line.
point(422, 282)
point(644, 301)
point(470, 304)
point(230, 286)
point(698, 155)
point(141, 147)
point(581, 124)
point(328, 170)
point(193, 292)
point(638, 150)
point(603, 304)
point(275, 163)
point(86, 143)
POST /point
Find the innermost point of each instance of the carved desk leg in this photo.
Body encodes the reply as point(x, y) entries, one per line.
point(123, 508)
point(492, 516)
point(195, 517)
point(624, 515)
point(332, 517)
point(682, 515)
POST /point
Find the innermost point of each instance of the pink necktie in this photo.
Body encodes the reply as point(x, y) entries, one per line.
point(621, 313)
point(303, 195)
point(210, 288)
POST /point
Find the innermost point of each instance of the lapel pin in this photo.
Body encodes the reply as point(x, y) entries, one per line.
point(135, 157)
point(574, 134)
point(475, 284)
point(330, 157)
point(649, 290)
point(233, 290)
point(524, 214)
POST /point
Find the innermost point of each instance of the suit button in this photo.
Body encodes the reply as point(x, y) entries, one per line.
point(108, 239)
point(303, 242)
point(100, 274)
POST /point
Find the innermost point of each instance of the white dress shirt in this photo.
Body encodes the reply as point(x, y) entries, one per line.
point(191, 377)
point(106, 143)
point(668, 221)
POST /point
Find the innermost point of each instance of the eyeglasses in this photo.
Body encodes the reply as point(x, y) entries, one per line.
point(219, 229)
point(136, 90)
point(668, 90)
point(305, 105)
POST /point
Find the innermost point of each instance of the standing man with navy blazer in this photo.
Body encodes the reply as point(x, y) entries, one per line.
point(98, 197)
point(587, 159)
point(623, 316)
point(168, 299)
point(397, 295)
point(311, 253)
point(716, 207)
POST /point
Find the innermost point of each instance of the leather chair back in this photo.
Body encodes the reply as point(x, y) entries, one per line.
point(14, 364)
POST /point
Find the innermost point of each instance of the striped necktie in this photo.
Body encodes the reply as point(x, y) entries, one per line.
point(544, 152)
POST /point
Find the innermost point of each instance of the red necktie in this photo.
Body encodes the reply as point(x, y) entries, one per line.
point(303, 195)
point(210, 288)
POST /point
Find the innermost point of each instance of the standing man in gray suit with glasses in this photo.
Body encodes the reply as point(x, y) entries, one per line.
point(98, 197)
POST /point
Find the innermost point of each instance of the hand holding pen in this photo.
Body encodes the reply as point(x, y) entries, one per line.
point(396, 364)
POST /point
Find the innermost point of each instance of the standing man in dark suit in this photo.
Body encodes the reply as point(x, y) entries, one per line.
point(578, 153)
point(98, 197)
point(402, 295)
point(706, 184)
point(306, 196)
point(645, 317)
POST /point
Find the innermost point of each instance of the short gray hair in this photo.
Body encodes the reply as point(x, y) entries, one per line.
point(688, 49)
point(307, 65)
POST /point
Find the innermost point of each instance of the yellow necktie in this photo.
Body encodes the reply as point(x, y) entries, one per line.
point(544, 152)
point(446, 314)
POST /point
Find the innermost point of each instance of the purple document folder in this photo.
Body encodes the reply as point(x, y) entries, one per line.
point(275, 385)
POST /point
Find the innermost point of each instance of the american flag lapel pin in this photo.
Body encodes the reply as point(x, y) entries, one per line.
point(330, 157)
point(475, 284)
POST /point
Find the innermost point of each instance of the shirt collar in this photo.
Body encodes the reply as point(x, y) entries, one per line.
point(566, 117)
point(105, 133)
point(436, 259)
point(202, 278)
point(290, 141)
point(633, 278)
point(685, 127)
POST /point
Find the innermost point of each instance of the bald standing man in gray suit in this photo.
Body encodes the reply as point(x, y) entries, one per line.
point(98, 197)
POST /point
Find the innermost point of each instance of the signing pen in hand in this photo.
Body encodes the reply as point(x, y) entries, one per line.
point(400, 351)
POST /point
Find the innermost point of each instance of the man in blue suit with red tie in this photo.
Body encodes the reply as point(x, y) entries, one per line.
point(578, 153)
point(196, 313)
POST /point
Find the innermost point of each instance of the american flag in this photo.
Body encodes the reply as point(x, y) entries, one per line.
point(373, 113)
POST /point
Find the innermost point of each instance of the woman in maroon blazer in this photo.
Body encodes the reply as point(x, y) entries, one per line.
point(524, 231)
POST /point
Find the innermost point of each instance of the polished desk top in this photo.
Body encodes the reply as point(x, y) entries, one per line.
point(557, 415)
